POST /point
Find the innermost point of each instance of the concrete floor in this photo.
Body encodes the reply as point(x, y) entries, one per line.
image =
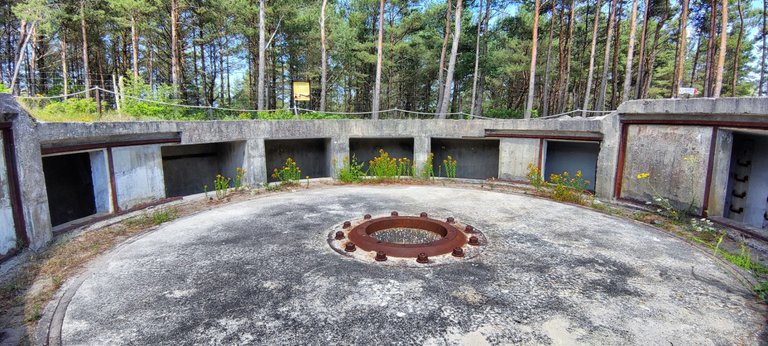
point(262, 272)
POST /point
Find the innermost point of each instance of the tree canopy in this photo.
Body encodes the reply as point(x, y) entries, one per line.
point(55, 47)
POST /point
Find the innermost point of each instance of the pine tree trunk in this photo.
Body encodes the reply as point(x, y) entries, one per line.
point(709, 72)
point(532, 73)
point(203, 68)
point(451, 62)
point(441, 68)
point(22, 43)
point(737, 54)
point(150, 63)
point(630, 53)
point(696, 61)
point(545, 97)
point(33, 64)
point(641, 58)
point(221, 69)
point(723, 47)
point(561, 44)
point(615, 63)
point(483, 51)
point(477, 57)
point(654, 50)
point(86, 72)
point(606, 58)
point(262, 58)
point(588, 86)
point(324, 57)
point(64, 74)
point(135, 46)
point(379, 53)
point(563, 88)
point(760, 88)
point(175, 47)
point(681, 50)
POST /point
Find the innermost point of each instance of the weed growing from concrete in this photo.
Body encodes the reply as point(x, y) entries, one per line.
point(569, 189)
point(427, 170)
point(404, 168)
point(351, 171)
point(383, 167)
point(534, 176)
point(156, 218)
point(289, 174)
point(761, 290)
point(221, 186)
point(664, 205)
point(239, 174)
point(450, 167)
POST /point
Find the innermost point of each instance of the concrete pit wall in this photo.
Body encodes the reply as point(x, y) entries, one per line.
point(475, 158)
point(571, 157)
point(515, 154)
point(366, 149)
point(189, 169)
point(138, 175)
point(676, 158)
point(312, 156)
point(7, 226)
point(676, 129)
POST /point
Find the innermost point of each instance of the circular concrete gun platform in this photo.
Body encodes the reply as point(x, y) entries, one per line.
point(262, 272)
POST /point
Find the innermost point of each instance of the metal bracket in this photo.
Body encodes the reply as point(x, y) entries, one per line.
point(737, 211)
point(739, 195)
point(741, 180)
point(745, 164)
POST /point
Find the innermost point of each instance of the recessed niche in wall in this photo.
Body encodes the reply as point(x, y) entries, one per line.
point(564, 156)
point(311, 155)
point(475, 158)
point(187, 169)
point(77, 185)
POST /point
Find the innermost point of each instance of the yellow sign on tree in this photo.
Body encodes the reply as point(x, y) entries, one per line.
point(301, 91)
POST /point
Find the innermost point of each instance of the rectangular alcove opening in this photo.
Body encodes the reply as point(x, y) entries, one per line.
point(311, 155)
point(366, 149)
point(77, 185)
point(475, 158)
point(746, 198)
point(191, 169)
point(567, 156)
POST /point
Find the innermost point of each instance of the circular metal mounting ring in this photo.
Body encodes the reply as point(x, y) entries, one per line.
point(451, 237)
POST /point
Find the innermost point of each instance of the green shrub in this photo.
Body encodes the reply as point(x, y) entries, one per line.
point(276, 115)
point(72, 109)
point(144, 109)
point(503, 113)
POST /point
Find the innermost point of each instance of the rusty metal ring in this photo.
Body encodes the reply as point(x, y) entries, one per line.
point(451, 237)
